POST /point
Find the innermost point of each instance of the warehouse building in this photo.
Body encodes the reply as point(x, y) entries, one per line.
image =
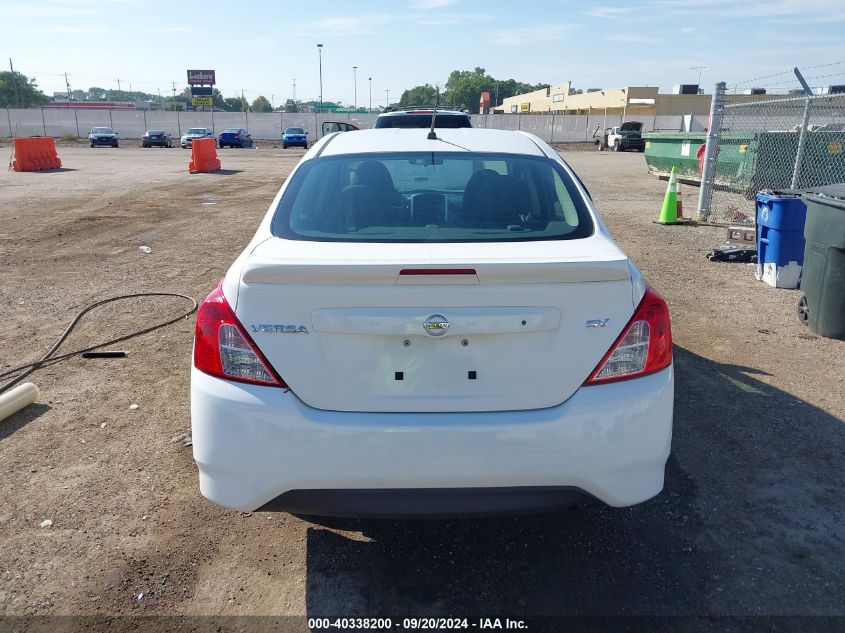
point(630, 101)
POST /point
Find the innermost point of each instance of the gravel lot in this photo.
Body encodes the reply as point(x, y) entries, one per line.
point(751, 521)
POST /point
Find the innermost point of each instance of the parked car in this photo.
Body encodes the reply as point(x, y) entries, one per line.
point(156, 138)
point(195, 133)
point(102, 136)
point(234, 137)
point(624, 137)
point(430, 328)
point(329, 127)
point(294, 136)
point(420, 117)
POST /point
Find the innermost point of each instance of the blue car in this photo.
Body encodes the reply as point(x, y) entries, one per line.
point(294, 136)
point(234, 137)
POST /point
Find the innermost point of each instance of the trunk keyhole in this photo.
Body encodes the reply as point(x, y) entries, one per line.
point(471, 375)
point(399, 375)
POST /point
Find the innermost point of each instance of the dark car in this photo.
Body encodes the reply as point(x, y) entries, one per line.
point(234, 137)
point(294, 136)
point(102, 136)
point(421, 117)
point(156, 138)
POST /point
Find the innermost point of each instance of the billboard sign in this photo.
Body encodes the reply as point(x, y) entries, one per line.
point(201, 91)
point(202, 101)
point(201, 77)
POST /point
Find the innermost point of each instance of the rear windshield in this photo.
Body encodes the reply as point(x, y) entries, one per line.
point(102, 130)
point(430, 197)
point(294, 130)
point(423, 121)
point(231, 130)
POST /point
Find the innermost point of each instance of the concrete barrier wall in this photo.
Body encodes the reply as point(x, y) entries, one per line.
point(131, 124)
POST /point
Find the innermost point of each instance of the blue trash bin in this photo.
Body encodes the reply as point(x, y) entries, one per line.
point(780, 238)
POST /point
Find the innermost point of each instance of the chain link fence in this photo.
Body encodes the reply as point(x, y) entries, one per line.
point(786, 143)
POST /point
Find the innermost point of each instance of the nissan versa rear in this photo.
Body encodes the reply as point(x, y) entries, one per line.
point(425, 327)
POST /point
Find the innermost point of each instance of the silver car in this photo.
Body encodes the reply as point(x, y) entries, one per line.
point(195, 133)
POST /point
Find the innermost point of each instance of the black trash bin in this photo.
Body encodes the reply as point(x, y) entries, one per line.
point(822, 307)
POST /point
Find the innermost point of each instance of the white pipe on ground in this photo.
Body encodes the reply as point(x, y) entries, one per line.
point(16, 399)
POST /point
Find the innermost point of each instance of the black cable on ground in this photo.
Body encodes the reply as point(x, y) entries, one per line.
point(49, 359)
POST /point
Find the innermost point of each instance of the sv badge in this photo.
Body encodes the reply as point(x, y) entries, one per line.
point(597, 322)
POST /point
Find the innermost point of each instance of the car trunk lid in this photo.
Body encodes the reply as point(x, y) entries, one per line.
point(412, 328)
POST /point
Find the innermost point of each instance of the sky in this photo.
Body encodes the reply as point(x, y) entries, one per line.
point(261, 48)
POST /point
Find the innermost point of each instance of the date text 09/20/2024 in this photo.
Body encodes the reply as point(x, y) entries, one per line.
point(408, 624)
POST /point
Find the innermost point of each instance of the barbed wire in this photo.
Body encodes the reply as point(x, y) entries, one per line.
point(796, 82)
point(786, 72)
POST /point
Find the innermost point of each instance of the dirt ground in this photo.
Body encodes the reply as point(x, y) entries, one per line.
point(751, 521)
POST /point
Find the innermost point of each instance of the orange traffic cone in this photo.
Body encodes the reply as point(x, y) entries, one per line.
point(680, 201)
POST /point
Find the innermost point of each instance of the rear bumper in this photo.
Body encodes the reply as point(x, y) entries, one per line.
point(255, 445)
point(426, 503)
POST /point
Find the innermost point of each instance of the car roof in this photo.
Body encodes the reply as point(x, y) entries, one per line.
point(415, 140)
point(423, 112)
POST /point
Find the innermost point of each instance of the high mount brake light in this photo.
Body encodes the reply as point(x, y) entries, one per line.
point(643, 347)
point(222, 347)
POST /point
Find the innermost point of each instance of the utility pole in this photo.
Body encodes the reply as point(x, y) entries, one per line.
point(386, 98)
point(18, 91)
point(243, 100)
point(67, 85)
point(272, 101)
point(160, 106)
point(355, 81)
point(371, 96)
point(118, 84)
point(173, 103)
point(294, 89)
point(320, 53)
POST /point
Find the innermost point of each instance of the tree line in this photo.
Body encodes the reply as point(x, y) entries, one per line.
point(462, 89)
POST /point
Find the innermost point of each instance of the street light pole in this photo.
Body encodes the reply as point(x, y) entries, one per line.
point(387, 98)
point(355, 81)
point(371, 96)
point(320, 53)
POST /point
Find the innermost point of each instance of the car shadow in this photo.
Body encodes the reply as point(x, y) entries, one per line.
point(749, 523)
point(20, 419)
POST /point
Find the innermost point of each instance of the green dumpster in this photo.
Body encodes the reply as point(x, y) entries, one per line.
point(664, 150)
point(752, 161)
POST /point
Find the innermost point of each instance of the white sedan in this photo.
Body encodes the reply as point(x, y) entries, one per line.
point(426, 327)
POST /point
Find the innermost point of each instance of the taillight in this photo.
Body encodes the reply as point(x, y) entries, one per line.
point(644, 347)
point(222, 347)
